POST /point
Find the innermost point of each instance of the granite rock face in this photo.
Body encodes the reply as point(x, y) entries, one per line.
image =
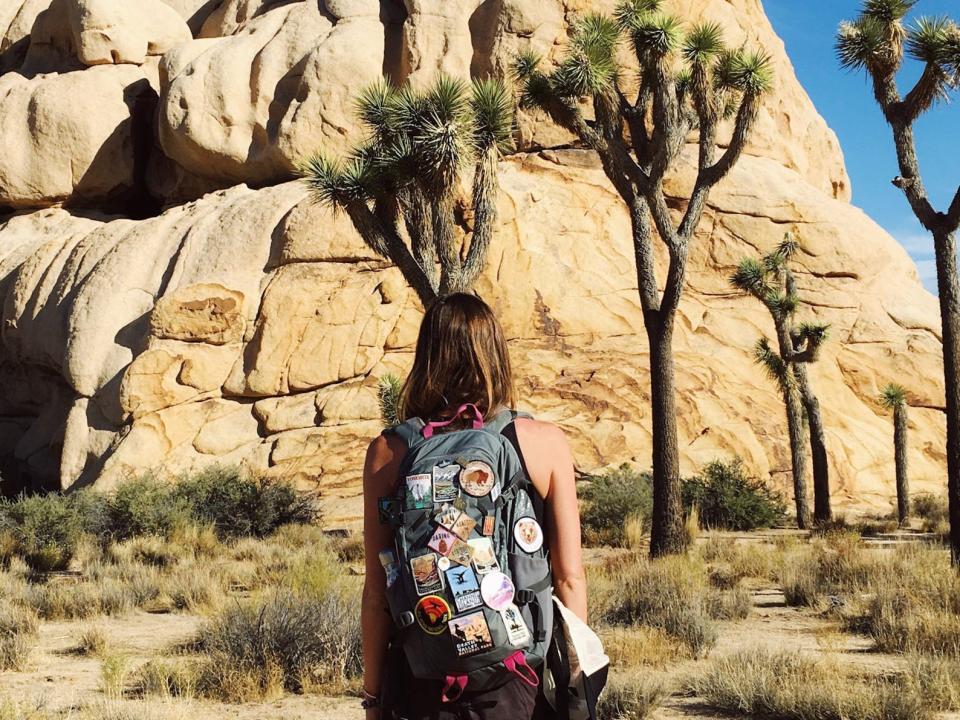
point(249, 326)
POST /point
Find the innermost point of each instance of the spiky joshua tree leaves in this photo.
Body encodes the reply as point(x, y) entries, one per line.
point(679, 80)
point(894, 398)
point(877, 42)
point(770, 280)
point(400, 186)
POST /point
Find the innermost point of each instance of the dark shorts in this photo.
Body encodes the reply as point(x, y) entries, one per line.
point(405, 698)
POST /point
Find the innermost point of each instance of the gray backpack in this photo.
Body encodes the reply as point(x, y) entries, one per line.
point(468, 579)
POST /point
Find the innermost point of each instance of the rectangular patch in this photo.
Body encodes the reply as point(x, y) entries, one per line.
point(489, 523)
point(461, 553)
point(445, 483)
point(484, 557)
point(470, 634)
point(447, 516)
point(419, 493)
point(389, 509)
point(517, 630)
point(464, 588)
point(426, 574)
point(463, 526)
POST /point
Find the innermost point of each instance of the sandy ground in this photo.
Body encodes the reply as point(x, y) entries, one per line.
point(61, 680)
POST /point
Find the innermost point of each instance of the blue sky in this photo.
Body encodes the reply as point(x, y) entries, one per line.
point(846, 101)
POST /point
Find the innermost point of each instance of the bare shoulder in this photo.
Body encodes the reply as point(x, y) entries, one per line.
point(539, 433)
point(384, 454)
point(546, 453)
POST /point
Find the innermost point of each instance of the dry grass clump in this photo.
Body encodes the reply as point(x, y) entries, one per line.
point(672, 594)
point(731, 561)
point(835, 565)
point(938, 678)
point(19, 710)
point(168, 678)
point(791, 686)
point(91, 641)
point(114, 674)
point(642, 647)
point(18, 628)
point(933, 512)
point(632, 696)
point(292, 642)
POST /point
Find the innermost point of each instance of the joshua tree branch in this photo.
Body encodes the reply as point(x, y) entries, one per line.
point(416, 216)
point(953, 214)
point(665, 141)
point(444, 238)
point(643, 254)
point(923, 94)
point(485, 215)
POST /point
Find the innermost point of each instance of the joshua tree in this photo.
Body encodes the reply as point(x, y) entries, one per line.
point(894, 398)
point(771, 281)
point(400, 186)
point(876, 41)
point(638, 141)
point(388, 395)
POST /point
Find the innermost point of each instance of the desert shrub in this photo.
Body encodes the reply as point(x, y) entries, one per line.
point(632, 696)
point(726, 497)
point(18, 627)
point(167, 678)
point(933, 512)
point(791, 686)
point(937, 679)
point(642, 646)
point(611, 501)
point(145, 506)
point(45, 529)
point(671, 594)
point(91, 641)
point(284, 642)
point(836, 565)
point(114, 673)
point(238, 504)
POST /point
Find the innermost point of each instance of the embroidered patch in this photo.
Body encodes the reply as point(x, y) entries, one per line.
point(463, 526)
point(484, 557)
point(426, 574)
point(497, 590)
point(447, 516)
point(464, 587)
point(433, 613)
point(528, 534)
point(477, 478)
point(442, 541)
point(445, 483)
point(470, 634)
point(517, 631)
point(419, 495)
point(461, 553)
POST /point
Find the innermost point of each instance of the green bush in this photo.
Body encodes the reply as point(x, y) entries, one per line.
point(726, 497)
point(610, 499)
point(45, 529)
point(240, 505)
point(145, 506)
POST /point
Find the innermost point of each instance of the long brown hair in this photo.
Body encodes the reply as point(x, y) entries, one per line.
point(461, 357)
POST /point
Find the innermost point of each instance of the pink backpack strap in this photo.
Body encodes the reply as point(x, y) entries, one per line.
point(457, 682)
point(477, 420)
point(517, 664)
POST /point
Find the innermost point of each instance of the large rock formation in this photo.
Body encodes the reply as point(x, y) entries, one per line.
point(250, 326)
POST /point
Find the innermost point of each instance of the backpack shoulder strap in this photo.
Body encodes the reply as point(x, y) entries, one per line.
point(509, 431)
point(409, 431)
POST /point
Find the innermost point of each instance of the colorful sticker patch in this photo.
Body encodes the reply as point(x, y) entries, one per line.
point(477, 479)
point(470, 634)
point(528, 534)
point(463, 526)
point(388, 508)
point(464, 587)
point(442, 541)
point(390, 567)
point(484, 557)
point(447, 516)
point(426, 574)
point(433, 613)
point(443, 563)
point(419, 494)
point(517, 631)
point(489, 523)
point(497, 590)
point(445, 483)
point(461, 553)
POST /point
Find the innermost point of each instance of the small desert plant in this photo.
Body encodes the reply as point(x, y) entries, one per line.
point(932, 511)
point(613, 499)
point(726, 497)
point(114, 672)
point(389, 396)
point(167, 678)
point(92, 640)
point(642, 646)
point(45, 529)
point(18, 627)
point(791, 686)
point(632, 696)
point(145, 506)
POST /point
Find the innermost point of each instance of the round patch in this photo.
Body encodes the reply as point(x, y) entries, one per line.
point(528, 534)
point(443, 563)
point(477, 478)
point(433, 613)
point(497, 590)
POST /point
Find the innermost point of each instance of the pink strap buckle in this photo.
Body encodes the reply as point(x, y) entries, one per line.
point(517, 664)
point(454, 681)
point(477, 420)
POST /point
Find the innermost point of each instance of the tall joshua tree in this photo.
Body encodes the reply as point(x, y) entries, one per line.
point(877, 41)
point(641, 117)
point(894, 398)
point(400, 186)
point(771, 281)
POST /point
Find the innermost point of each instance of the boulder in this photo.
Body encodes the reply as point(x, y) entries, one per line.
point(107, 32)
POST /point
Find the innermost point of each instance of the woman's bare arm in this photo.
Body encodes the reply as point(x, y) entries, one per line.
point(380, 471)
point(550, 463)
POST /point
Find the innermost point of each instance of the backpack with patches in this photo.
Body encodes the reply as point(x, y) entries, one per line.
point(468, 579)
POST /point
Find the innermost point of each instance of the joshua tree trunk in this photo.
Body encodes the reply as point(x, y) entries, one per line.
point(900, 459)
point(798, 455)
point(822, 512)
point(666, 534)
point(945, 244)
